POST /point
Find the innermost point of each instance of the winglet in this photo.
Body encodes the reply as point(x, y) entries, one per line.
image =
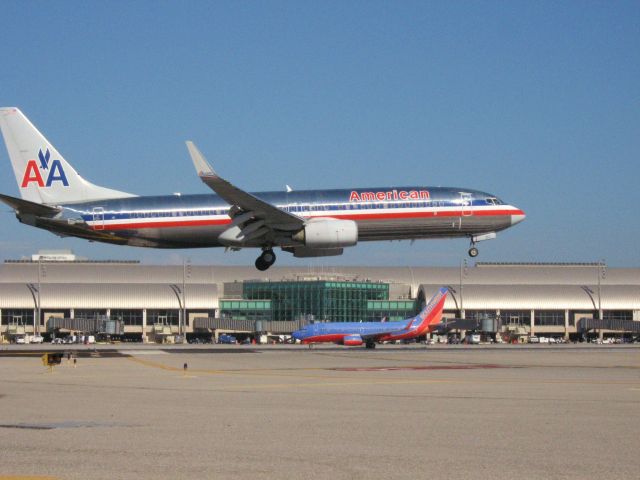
point(201, 164)
point(238, 197)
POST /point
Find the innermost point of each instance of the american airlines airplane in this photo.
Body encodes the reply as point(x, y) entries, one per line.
point(368, 333)
point(309, 223)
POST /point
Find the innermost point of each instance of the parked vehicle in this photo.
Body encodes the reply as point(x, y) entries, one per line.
point(534, 339)
point(228, 339)
point(473, 338)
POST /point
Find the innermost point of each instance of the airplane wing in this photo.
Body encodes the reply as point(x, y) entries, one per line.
point(29, 208)
point(258, 217)
point(378, 335)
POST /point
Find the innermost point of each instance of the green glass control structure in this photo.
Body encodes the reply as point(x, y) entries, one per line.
point(320, 300)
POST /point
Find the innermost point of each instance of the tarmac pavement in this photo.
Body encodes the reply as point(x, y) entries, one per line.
point(459, 412)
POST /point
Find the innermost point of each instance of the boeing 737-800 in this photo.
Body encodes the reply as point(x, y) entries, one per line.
point(309, 223)
point(368, 333)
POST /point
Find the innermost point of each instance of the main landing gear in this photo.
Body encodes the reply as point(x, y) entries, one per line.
point(370, 344)
point(473, 251)
point(265, 260)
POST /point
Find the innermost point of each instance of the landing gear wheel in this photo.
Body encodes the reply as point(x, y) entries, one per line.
point(264, 261)
point(370, 344)
point(269, 257)
point(473, 252)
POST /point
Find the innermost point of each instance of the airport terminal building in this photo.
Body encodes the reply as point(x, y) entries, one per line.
point(162, 303)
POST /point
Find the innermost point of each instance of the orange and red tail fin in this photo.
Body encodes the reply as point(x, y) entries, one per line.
point(431, 314)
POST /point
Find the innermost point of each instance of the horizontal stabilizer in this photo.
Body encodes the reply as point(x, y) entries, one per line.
point(30, 208)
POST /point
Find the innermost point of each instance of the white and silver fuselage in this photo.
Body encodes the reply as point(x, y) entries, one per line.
point(188, 221)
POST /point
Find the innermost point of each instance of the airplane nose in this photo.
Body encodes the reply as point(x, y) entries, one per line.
point(517, 217)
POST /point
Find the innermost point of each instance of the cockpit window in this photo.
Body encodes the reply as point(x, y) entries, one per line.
point(494, 201)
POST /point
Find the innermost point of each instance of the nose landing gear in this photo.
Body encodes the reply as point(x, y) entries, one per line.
point(473, 251)
point(265, 260)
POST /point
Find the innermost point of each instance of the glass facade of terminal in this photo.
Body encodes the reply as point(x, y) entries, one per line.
point(320, 300)
point(516, 317)
point(546, 318)
point(127, 317)
point(163, 317)
point(245, 309)
point(392, 310)
point(17, 316)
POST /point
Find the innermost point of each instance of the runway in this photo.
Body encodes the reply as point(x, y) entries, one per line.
point(465, 412)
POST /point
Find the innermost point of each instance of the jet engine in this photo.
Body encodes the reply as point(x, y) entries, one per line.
point(328, 233)
point(352, 340)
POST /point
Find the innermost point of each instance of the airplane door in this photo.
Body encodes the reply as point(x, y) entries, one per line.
point(465, 202)
point(98, 218)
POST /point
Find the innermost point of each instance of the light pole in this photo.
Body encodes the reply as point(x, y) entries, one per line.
point(186, 273)
point(180, 297)
point(42, 272)
point(602, 273)
point(463, 274)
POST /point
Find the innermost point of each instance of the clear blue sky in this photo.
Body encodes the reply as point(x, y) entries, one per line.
point(537, 102)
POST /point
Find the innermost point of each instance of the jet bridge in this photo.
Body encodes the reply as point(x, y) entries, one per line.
point(584, 325)
point(92, 326)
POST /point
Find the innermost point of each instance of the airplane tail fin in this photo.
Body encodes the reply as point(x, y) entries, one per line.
point(431, 314)
point(43, 175)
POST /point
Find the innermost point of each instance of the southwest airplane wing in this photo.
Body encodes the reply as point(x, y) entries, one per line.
point(380, 335)
point(273, 216)
point(424, 322)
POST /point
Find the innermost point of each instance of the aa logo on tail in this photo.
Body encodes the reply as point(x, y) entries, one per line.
point(53, 171)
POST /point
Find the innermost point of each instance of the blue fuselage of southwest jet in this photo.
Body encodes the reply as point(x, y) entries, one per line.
point(369, 333)
point(335, 332)
point(395, 213)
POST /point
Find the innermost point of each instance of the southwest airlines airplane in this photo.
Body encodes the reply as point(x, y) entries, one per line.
point(357, 333)
point(310, 223)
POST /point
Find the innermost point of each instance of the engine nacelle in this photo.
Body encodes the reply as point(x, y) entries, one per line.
point(352, 340)
point(328, 233)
